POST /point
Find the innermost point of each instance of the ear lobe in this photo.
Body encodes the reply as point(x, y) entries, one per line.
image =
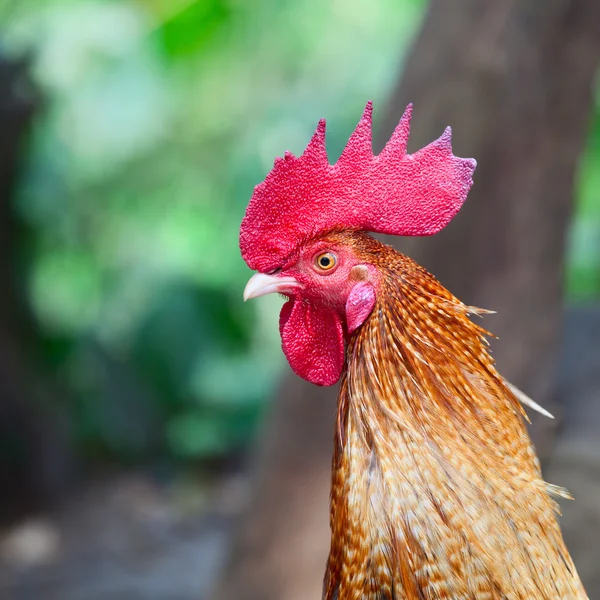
point(312, 339)
point(359, 273)
point(359, 305)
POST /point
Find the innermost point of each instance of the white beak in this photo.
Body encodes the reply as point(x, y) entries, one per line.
point(261, 284)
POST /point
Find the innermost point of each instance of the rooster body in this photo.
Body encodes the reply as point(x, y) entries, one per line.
point(437, 492)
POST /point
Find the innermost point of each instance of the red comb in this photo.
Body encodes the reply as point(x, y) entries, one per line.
point(394, 192)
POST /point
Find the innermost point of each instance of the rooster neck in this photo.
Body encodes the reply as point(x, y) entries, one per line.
point(436, 488)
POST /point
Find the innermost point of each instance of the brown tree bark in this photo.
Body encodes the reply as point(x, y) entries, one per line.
point(517, 89)
point(514, 79)
point(33, 452)
point(283, 538)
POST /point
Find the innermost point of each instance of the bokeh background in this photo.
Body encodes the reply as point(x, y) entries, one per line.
point(134, 381)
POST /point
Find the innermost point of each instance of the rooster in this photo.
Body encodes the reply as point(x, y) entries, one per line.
point(437, 491)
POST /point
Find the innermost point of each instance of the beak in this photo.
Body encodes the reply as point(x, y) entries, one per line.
point(261, 284)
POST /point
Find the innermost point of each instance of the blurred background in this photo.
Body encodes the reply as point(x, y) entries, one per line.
point(141, 455)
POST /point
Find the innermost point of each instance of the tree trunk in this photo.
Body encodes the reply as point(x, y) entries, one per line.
point(516, 86)
point(283, 539)
point(33, 455)
point(514, 79)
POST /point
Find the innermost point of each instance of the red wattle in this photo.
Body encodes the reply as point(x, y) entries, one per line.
point(313, 341)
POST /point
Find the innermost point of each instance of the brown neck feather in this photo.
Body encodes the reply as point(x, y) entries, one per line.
point(436, 491)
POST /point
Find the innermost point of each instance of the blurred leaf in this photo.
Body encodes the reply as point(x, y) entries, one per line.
point(583, 251)
point(196, 434)
point(66, 291)
point(193, 26)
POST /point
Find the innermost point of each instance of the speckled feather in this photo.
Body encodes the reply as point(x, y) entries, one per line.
point(436, 491)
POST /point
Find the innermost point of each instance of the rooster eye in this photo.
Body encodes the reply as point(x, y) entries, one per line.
point(325, 261)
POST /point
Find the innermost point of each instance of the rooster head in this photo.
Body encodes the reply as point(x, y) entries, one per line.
point(300, 232)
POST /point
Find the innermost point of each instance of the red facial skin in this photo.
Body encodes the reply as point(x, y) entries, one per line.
point(329, 305)
point(327, 288)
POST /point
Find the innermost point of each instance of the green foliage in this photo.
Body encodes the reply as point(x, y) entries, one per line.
point(194, 26)
point(583, 264)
